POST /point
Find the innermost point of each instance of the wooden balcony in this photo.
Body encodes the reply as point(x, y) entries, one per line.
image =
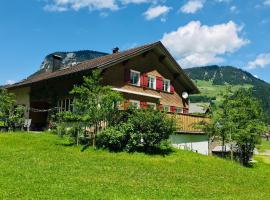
point(187, 123)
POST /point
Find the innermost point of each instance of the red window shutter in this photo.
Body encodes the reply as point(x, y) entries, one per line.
point(144, 80)
point(127, 76)
point(171, 89)
point(173, 109)
point(159, 83)
point(185, 110)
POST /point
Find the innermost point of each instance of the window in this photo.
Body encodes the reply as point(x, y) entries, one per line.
point(152, 106)
point(166, 85)
point(65, 105)
point(179, 110)
point(166, 108)
point(152, 82)
point(135, 78)
point(135, 104)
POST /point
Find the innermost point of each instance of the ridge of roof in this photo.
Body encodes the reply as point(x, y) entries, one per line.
point(85, 65)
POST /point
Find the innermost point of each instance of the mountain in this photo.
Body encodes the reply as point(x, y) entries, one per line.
point(68, 59)
point(213, 80)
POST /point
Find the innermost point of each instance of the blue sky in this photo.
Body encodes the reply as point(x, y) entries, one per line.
point(197, 32)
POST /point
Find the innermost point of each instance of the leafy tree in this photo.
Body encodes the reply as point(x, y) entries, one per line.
point(239, 119)
point(11, 115)
point(95, 105)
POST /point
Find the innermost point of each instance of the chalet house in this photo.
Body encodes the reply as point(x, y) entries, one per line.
point(147, 76)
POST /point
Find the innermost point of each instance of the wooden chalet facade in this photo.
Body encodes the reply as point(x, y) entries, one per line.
point(146, 76)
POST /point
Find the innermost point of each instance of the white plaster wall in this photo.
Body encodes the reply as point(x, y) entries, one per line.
point(195, 143)
point(23, 98)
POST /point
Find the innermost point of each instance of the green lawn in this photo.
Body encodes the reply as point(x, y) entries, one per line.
point(42, 166)
point(265, 146)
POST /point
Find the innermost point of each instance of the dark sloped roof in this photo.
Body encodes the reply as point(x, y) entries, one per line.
point(103, 61)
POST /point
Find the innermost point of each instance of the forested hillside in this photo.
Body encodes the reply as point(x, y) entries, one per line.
point(212, 81)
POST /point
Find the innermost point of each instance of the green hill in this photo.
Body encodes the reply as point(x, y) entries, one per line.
point(213, 80)
point(44, 166)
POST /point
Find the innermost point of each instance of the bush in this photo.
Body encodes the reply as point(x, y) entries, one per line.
point(113, 139)
point(145, 131)
point(150, 130)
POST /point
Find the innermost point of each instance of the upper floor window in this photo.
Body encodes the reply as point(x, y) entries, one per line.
point(152, 82)
point(166, 85)
point(135, 77)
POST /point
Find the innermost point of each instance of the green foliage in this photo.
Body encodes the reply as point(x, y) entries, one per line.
point(113, 138)
point(240, 119)
point(42, 166)
point(212, 81)
point(145, 130)
point(95, 106)
point(12, 116)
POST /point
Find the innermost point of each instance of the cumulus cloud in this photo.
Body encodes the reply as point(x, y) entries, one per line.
point(192, 6)
point(156, 11)
point(261, 61)
point(195, 44)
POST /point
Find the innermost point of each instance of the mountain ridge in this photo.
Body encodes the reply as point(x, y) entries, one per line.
point(218, 76)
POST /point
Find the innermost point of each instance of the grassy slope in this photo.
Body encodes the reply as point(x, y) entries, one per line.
point(208, 89)
point(265, 146)
point(41, 166)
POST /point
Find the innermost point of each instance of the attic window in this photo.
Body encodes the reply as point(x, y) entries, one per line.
point(135, 77)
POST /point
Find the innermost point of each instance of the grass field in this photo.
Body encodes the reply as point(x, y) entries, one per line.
point(43, 166)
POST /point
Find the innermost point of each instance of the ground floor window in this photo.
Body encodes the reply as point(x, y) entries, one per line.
point(65, 105)
point(152, 106)
point(179, 110)
point(166, 108)
point(135, 104)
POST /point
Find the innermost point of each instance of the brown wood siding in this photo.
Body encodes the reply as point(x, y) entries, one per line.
point(149, 64)
point(188, 123)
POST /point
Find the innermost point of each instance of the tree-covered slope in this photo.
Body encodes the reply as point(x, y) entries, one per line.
point(212, 81)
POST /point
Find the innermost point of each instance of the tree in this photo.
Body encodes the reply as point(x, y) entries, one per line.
point(11, 114)
point(239, 119)
point(95, 105)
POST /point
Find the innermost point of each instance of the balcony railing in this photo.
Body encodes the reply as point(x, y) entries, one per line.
point(187, 123)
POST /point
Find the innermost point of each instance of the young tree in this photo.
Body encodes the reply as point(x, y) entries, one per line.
point(241, 120)
point(95, 104)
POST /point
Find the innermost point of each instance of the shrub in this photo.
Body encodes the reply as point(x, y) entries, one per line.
point(144, 131)
point(113, 138)
point(150, 129)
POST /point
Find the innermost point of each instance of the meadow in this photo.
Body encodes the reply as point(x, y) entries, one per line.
point(45, 166)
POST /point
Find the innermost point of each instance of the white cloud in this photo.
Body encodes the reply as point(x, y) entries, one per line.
point(192, 6)
point(261, 61)
point(195, 44)
point(157, 11)
point(223, 1)
point(65, 5)
point(266, 2)
point(10, 82)
point(234, 9)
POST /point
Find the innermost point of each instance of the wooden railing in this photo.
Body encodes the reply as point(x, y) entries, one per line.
point(187, 123)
